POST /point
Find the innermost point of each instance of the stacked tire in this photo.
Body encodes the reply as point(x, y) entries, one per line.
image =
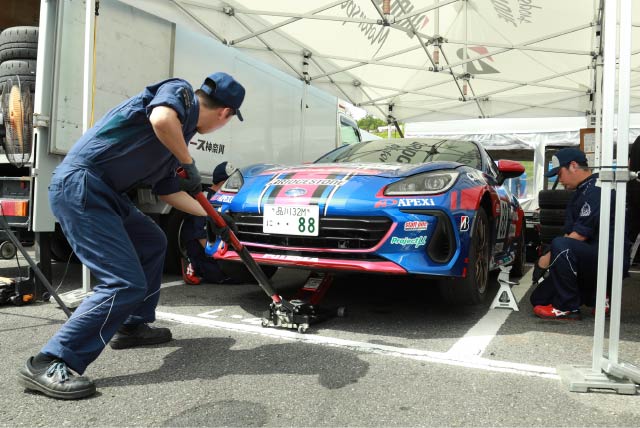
point(18, 52)
point(553, 204)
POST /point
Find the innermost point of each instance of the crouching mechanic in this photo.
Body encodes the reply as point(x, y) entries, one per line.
point(140, 142)
point(201, 267)
point(569, 271)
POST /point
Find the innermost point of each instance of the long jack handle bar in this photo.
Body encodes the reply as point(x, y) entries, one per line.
point(245, 256)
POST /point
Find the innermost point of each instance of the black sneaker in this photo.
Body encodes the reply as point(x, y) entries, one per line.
point(139, 335)
point(56, 380)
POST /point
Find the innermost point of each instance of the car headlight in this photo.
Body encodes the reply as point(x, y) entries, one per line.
point(423, 184)
point(233, 183)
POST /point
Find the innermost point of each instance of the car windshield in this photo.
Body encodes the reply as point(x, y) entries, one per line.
point(407, 151)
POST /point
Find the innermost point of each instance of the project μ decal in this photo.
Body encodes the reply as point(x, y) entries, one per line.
point(223, 198)
point(308, 188)
point(208, 146)
point(415, 225)
point(416, 242)
point(464, 223)
point(428, 202)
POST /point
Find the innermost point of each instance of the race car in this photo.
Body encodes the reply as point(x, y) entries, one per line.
point(430, 208)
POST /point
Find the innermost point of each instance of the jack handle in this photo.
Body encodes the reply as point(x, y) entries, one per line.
point(245, 256)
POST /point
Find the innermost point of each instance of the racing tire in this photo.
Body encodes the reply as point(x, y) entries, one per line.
point(472, 289)
point(25, 69)
point(19, 43)
point(552, 216)
point(517, 267)
point(554, 198)
point(548, 232)
point(239, 273)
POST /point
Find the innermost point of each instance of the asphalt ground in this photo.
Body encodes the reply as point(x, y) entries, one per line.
point(402, 357)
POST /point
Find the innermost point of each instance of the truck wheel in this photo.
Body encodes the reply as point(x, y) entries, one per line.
point(171, 227)
point(61, 251)
point(8, 250)
point(472, 289)
point(19, 43)
point(554, 198)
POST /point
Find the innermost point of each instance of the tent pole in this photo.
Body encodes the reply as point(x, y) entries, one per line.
point(583, 379)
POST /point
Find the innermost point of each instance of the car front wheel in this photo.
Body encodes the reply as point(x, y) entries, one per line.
point(472, 289)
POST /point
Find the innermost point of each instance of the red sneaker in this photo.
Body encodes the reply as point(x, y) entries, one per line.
point(188, 275)
point(551, 313)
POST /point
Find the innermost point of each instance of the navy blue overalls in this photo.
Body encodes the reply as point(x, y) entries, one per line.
point(204, 266)
point(573, 270)
point(123, 248)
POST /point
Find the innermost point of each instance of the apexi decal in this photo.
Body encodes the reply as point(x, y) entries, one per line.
point(416, 242)
point(308, 182)
point(464, 223)
point(291, 258)
point(414, 202)
point(415, 225)
point(223, 198)
point(208, 146)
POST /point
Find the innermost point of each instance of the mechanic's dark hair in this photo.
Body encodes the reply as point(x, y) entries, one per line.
point(208, 101)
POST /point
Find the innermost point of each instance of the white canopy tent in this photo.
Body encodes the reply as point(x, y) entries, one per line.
point(433, 60)
point(425, 60)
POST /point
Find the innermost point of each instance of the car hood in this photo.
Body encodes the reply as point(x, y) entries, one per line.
point(348, 169)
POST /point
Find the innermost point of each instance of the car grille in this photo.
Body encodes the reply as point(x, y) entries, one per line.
point(340, 233)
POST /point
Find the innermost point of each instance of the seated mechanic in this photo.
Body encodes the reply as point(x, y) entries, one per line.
point(567, 274)
point(199, 266)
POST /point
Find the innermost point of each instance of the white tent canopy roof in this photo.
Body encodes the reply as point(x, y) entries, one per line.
point(428, 60)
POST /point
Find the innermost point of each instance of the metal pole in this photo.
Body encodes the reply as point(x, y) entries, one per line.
point(87, 97)
point(622, 161)
point(608, 113)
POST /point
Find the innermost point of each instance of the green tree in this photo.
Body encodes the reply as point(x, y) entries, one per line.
point(369, 123)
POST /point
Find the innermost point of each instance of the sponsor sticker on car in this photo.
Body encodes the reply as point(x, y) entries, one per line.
point(415, 225)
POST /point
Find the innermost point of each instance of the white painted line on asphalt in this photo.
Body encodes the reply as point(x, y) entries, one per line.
point(414, 354)
point(475, 342)
point(171, 284)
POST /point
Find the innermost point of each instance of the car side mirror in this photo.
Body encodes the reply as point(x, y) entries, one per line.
point(509, 169)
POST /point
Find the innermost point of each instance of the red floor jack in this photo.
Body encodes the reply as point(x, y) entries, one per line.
point(296, 314)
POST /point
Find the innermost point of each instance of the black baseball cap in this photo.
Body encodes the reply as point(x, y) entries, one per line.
point(224, 89)
point(563, 158)
point(221, 172)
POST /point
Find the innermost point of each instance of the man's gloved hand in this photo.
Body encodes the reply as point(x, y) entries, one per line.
point(192, 183)
point(223, 232)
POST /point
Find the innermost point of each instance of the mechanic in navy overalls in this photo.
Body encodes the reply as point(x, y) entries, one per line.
point(572, 262)
point(140, 142)
point(199, 266)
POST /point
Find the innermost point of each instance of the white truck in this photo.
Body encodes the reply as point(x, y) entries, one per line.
point(285, 120)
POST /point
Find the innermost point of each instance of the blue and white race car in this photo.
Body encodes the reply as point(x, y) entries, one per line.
point(425, 207)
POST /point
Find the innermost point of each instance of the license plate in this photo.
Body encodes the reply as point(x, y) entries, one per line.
point(291, 219)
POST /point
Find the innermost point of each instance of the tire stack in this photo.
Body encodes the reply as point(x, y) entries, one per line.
point(553, 204)
point(18, 52)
